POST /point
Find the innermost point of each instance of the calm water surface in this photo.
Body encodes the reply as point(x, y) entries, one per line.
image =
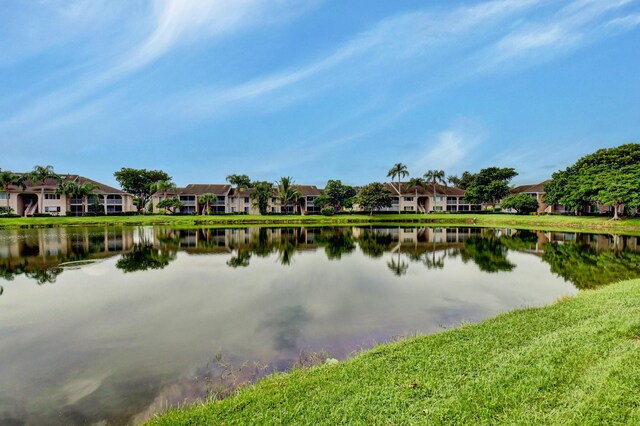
point(109, 325)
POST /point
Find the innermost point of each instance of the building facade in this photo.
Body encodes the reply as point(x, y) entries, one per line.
point(431, 198)
point(230, 200)
point(44, 197)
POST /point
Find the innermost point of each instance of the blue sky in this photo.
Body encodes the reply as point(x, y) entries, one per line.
point(317, 89)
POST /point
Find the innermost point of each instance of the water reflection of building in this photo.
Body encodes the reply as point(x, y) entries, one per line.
point(43, 254)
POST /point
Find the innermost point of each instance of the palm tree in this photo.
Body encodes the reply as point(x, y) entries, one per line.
point(163, 186)
point(39, 174)
point(287, 192)
point(240, 181)
point(73, 190)
point(400, 171)
point(417, 183)
point(7, 179)
point(207, 200)
point(434, 177)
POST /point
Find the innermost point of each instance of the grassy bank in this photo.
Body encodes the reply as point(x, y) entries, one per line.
point(574, 362)
point(559, 223)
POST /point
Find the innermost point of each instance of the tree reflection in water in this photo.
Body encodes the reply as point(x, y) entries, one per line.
point(585, 260)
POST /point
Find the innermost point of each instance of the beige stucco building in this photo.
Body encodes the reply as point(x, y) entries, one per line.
point(43, 197)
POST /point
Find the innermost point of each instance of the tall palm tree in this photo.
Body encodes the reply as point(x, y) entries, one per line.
point(207, 200)
point(416, 183)
point(240, 181)
point(287, 192)
point(7, 179)
point(435, 177)
point(400, 171)
point(73, 190)
point(40, 174)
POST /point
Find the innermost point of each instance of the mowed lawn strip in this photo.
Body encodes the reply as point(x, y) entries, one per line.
point(551, 222)
point(574, 362)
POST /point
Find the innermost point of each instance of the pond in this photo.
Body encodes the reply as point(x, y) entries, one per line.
point(112, 324)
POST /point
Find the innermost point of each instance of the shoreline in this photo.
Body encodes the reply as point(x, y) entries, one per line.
point(573, 360)
point(630, 226)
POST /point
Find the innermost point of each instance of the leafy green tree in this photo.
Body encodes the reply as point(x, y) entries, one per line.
point(40, 174)
point(338, 194)
point(400, 171)
point(321, 201)
point(172, 205)
point(490, 185)
point(287, 193)
point(262, 191)
point(241, 182)
point(435, 177)
point(462, 182)
point(619, 187)
point(374, 197)
point(8, 179)
point(592, 177)
point(141, 183)
point(521, 203)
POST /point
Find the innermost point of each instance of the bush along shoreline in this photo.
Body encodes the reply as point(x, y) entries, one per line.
point(573, 362)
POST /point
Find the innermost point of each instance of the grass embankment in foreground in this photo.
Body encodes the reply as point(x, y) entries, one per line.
point(574, 362)
point(560, 223)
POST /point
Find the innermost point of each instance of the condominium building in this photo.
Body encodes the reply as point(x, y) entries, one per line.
point(44, 197)
point(431, 198)
point(230, 200)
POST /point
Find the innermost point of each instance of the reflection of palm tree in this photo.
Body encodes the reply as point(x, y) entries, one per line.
point(398, 267)
point(241, 259)
point(433, 263)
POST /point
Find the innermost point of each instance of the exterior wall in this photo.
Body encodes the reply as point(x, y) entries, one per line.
point(60, 206)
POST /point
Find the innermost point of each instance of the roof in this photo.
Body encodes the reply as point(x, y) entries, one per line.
point(201, 189)
point(538, 187)
point(309, 190)
point(52, 184)
point(424, 191)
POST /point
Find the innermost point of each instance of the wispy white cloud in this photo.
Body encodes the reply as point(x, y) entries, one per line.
point(449, 149)
point(573, 26)
point(173, 23)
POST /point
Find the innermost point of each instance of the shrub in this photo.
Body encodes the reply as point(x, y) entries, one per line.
point(328, 211)
point(5, 211)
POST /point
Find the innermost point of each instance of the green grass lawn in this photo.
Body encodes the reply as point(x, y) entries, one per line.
point(559, 223)
point(574, 362)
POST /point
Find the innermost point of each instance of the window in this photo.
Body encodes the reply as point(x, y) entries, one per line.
point(52, 209)
point(274, 199)
point(408, 208)
point(4, 196)
point(408, 198)
point(246, 209)
point(246, 199)
point(438, 199)
point(273, 209)
point(51, 196)
point(437, 208)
